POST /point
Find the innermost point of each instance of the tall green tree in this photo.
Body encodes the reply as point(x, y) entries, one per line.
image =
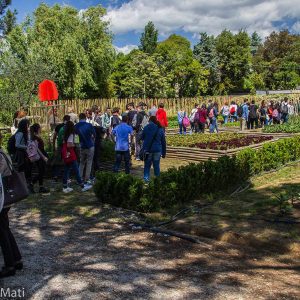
point(149, 39)
point(234, 60)
point(206, 54)
point(256, 42)
point(3, 5)
point(176, 61)
point(137, 75)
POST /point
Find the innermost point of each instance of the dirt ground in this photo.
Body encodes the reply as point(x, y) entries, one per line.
point(75, 248)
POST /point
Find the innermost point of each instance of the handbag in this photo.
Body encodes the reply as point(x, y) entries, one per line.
point(143, 155)
point(68, 154)
point(14, 186)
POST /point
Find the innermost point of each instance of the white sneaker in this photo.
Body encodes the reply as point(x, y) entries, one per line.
point(87, 187)
point(67, 190)
point(90, 182)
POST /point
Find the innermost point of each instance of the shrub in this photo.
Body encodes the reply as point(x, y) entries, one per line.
point(177, 187)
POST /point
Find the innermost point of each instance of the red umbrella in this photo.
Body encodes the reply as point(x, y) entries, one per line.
point(48, 91)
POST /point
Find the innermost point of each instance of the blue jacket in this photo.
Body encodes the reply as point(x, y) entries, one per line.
point(86, 134)
point(159, 143)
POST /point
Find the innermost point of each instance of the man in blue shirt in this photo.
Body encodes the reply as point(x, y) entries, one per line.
point(86, 134)
point(245, 115)
point(123, 134)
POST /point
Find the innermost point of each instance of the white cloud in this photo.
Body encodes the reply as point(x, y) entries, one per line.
point(195, 16)
point(126, 49)
point(296, 27)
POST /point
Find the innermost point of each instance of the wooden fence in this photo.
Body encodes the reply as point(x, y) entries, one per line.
point(40, 113)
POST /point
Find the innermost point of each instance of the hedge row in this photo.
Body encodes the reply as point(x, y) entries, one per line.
point(180, 186)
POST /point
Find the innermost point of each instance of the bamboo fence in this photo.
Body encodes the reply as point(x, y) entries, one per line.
point(40, 112)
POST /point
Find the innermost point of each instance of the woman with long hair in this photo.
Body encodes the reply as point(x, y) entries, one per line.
point(70, 159)
point(21, 157)
point(11, 253)
point(35, 137)
point(154, 147)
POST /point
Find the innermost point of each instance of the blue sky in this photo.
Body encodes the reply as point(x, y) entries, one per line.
point(186, 17)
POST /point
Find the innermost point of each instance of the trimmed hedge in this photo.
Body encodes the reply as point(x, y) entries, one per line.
point(180, 186)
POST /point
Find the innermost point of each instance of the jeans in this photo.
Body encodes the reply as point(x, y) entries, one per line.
point(67, 168)
point(285, 118)
point(86, 161)
point(10, 250)
point(182, 128)
point(213, 125)
point(153, 158)
point(225, 119)
point(119, 157)
point(138, 144)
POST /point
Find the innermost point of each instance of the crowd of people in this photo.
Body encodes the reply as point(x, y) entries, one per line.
point(248, 114)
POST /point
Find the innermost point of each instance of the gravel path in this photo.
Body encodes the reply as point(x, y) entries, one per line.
point(91, 254)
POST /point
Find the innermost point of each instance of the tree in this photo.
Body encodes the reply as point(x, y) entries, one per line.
point(149, 39)
point(256, 42)
point(206, 54)
point(137, 75)
point(175, 59)
point(234, 60)
point(76, 48)
point(3, 5)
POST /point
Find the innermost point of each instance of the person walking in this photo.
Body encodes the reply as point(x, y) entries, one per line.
point(192, 118)
point(123, 134)
point(42, 157)
point(285, 110)
point(86, 134)
point(161, 116)
point(233, 111)
point(202, 118)
point(20, 156)
point(253, 115)
point(244, 115)
point(225, 111)
point(154, 147)
point(106, 121)
point(180, 117)
point(213, 115)
point(11, 253)
point(70, 159)
point(140, 121)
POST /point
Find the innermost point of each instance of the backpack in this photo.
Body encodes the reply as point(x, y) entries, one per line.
point(186, 122)
point(33, 151)
point(115, 121)
point(68, 154)
point(145, 122)
point(232, 110)
point(240, 111)
point(211, 113)
point(197, 116)
point(252, 112)
point(275, 114)
point(284, 109)
point(11, 145)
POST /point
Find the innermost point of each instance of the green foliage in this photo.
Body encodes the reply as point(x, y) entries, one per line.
point(8, 22)
point(292, 126)
point(118, 189)
point(149, 39)
point(177, 187)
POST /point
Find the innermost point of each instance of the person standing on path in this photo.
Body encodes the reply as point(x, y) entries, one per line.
point(11, 253)
point(161, 116)
point(244, 115)
point(123, 134)
point(86, 134)
point(155, 145)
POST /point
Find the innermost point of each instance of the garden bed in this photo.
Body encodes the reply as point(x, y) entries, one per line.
point(199, 148)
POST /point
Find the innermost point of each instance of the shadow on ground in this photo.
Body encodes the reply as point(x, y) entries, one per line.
point(74, 248)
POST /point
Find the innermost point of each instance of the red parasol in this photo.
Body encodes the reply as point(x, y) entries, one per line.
point(48, 91)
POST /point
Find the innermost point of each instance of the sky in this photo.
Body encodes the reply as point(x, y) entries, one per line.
point(186, 17)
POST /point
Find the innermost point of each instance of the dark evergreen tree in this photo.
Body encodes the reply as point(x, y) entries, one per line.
point(149, 39)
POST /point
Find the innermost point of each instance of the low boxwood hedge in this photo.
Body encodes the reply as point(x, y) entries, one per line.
point(177, 187)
